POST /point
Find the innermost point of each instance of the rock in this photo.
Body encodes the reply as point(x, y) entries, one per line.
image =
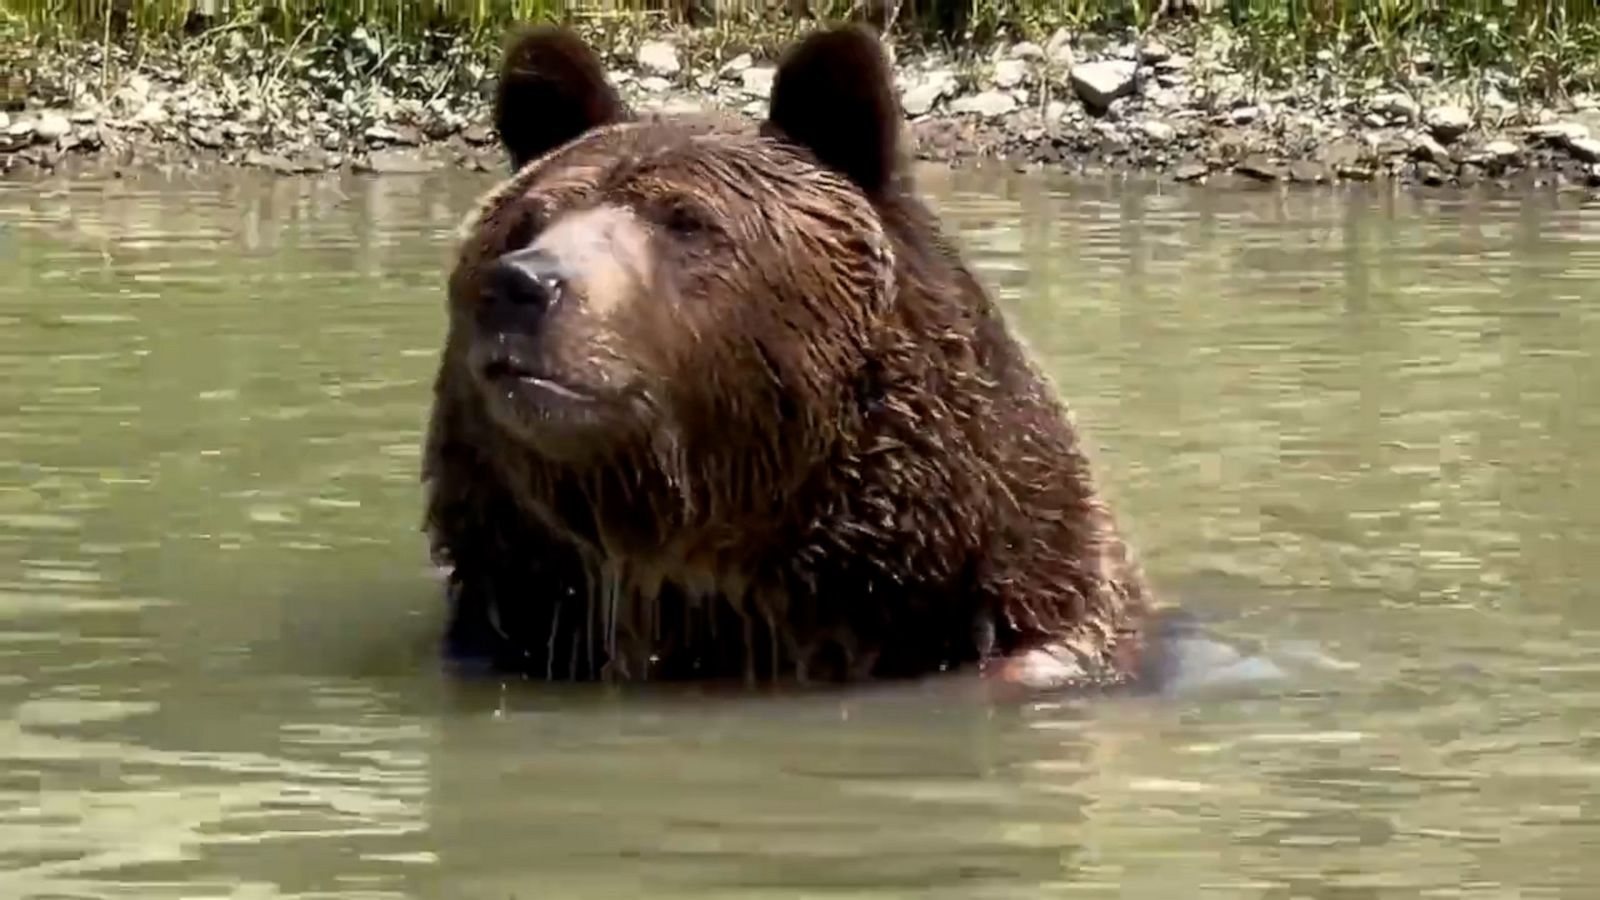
point(988, 105)
point(259, 160)
point(1166, 98)
point(1430, 174)
point(15, 138)
point(1099, 83)
point(1112, 142)
point(921, 98)
point(1171, 79)
point(1390, 146)
point(1501, 148)
point(133, 95)
point(1059, 48)
point(1027, 50)
point(152, 113)
point(1340, 152)
point(1448, 123)
point(1309, 172)
point(1425, 148)
point(1134, 103)
point(1154, 52)
point(1586, 149)
point(5, 120)
point(658, 58)
point(439, 127)
point(1229, 146)
point(50, 128)
point(1260, 167)
point(1158, 132)
point(757, 82)
point(1396, 106)
point(313, 160)
point(681, 106)
point(1009, 73)
point(1562, 133)
point(1493, 105)
point(397, 161)
point(1500, 151)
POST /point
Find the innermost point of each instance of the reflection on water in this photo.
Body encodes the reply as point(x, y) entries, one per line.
point(1350, 428)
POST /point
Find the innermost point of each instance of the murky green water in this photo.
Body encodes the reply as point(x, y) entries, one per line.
point(1360, 423)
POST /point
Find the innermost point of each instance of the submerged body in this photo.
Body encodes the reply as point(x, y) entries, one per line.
point(725, 402)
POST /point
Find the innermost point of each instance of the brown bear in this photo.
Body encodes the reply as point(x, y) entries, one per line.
point(724, 401)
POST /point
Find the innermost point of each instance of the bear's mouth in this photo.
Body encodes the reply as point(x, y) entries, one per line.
point(509, 370)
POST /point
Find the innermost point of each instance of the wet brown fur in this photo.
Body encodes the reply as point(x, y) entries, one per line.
point(866, 478)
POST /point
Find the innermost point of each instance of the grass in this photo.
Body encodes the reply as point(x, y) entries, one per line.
point(1547, 47)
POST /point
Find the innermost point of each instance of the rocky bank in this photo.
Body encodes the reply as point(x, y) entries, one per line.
point(1177, 107)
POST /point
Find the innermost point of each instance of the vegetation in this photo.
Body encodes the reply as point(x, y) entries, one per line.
point(1548, 46)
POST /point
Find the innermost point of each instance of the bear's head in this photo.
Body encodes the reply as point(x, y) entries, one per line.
point(651, 288)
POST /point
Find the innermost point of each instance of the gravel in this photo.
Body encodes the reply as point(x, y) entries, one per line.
point(1169, 108)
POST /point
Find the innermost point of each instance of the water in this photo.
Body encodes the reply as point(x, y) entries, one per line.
point(1348, 429)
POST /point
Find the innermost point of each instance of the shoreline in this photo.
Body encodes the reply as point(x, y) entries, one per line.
point(1173, 108)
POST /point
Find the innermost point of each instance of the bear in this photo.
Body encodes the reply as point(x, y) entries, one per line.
point(720, 401)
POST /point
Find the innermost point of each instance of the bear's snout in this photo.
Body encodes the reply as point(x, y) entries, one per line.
point(519, 290)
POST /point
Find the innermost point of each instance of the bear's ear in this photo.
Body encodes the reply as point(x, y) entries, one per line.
point(834, 95)
point(552, 89)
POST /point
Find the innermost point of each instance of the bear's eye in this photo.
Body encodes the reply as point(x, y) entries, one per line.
point(526, 225)
point(686, 219)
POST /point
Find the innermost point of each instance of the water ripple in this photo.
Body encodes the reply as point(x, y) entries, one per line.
point(1347, 427)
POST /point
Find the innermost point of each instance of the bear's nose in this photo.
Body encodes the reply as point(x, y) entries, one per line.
point(526, 278)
